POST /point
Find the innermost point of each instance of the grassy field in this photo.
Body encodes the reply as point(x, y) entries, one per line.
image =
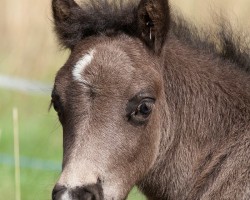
point(28, 49)
point(40, 138)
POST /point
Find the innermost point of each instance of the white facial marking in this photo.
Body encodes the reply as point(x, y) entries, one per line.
point(66, 196)
point(81, 65)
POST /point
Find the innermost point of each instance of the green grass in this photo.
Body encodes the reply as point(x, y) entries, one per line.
point(40, 138)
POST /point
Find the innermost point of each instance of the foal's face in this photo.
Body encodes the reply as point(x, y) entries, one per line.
point(108, 97)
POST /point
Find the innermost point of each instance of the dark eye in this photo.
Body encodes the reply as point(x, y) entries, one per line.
point(145, 108)
point(55, 105)
point(142, 112)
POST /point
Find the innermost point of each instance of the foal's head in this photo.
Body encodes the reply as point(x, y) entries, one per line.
point(109, 95)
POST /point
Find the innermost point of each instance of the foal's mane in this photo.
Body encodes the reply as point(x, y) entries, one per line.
point(108, 17)
point(112, 17)
point(224, 41)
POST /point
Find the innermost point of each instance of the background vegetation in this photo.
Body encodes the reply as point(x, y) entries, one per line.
point(28, 50)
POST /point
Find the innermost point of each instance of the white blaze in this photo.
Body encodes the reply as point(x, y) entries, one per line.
point(66, 196)
point(81, 65)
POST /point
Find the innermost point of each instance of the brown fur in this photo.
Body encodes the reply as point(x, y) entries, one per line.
point(195, 144)
point(209, 129)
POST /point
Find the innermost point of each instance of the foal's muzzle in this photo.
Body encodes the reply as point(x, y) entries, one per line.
point(91, 192)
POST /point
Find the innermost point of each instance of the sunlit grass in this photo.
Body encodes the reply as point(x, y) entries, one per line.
point(39, 138)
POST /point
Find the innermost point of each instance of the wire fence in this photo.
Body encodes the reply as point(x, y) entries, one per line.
point(31, 87)
point(16, 160)
point(23, 85)
point(30, 163)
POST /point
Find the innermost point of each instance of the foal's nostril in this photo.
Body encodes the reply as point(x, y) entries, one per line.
point(58, 191)
point(83, 195)
point(90, 192)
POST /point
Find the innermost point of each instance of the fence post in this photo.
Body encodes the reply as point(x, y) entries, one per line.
point(16, 154)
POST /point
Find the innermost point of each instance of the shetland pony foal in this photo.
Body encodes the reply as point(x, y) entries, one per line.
point(141, 106)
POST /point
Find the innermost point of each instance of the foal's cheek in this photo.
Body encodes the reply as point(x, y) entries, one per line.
point(148, 143)
point(153, 136)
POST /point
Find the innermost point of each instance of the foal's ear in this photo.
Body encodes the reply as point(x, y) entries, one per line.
point(153, 22)
point(66, 15)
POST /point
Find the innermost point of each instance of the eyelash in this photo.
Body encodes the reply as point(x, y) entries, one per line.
point(56, 104)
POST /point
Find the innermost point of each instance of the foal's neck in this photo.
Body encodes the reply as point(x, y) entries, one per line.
point(206, 99)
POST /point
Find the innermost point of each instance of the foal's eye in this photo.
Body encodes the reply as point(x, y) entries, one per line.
point(55, 105)
point(142, 111)
point(145, 108)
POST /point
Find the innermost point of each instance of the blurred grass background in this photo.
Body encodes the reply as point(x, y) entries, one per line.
point(28, 50)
